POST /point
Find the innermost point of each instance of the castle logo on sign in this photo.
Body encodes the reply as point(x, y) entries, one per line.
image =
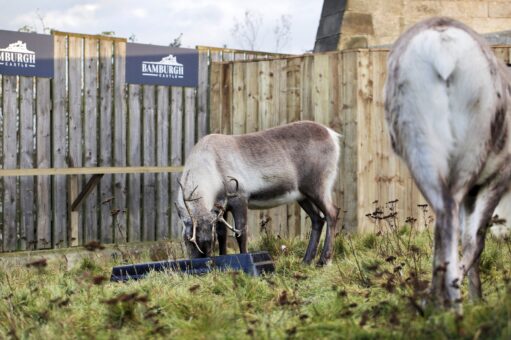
point(167, 67)
point(17, 55)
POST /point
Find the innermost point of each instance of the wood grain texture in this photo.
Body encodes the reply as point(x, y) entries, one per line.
point(162, 159)
point(106, 141)
point(91, 208)
point(176, 153)
point(120, 145)
point(59, 122)
point(149, 159)
point(10, 152)
point(27, 160)
point(134, 142)
point(203, 95)
point(75, 153)
point(43, 141)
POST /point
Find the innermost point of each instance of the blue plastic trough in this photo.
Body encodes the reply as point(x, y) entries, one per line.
point(251, 263)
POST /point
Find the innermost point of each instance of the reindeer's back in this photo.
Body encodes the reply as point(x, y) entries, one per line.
point(444, 92)
point(282, 156)
point(301, 143)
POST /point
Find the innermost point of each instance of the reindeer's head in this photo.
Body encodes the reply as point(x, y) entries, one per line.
point(199, 223)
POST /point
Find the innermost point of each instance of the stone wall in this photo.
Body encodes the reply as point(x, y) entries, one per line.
point(379, 22)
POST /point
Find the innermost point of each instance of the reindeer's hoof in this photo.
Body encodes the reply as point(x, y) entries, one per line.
point(323, 262)
point(306, 261)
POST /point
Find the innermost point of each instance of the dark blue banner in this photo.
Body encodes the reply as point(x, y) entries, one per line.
point(26, 54)
point(161, 65)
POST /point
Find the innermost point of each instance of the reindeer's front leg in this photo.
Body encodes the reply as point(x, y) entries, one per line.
point(239, 207)
point(221, 232)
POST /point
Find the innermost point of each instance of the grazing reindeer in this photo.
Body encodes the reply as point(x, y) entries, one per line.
point(448, 111)
point(293, 162)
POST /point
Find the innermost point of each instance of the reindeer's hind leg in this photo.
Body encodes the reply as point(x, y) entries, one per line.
point(330, 212)
point(479, 205)
point(430, 172)
point(239, 208)
point(317, 226)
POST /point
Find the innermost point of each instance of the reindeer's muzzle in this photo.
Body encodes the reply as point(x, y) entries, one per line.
point(199, 249)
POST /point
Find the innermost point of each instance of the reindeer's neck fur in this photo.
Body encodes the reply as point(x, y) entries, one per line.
point(197, 176)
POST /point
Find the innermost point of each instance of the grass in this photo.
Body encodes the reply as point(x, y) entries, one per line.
point(375, 288)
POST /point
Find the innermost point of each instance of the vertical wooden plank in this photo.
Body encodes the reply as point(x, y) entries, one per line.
point(105, 139)
point(306, 113)
point(134, 159)
point(59, 121)
point(334, 85)
point(216, 93)
point(149, 159)
point(238, 107)
point(266, 120)
point(176, 155)
point(121, 142)
point(202, 95)
point(252, 84)
point(27, 160)
point(336, 124)
point(320, 92)
point(350, 145)
point(91, 207)
point(189, 120)
point(278, 79)
point(43, 139)
point(293, 114)
point(75, 130)
point(381, 146)
point(366, 145)
point(73, 192)
point(239, 114)
point(265, 95)
point(10, 152)
point(281, 91)
point(307, 71)
point(252, 125)
point(226, 120)
point(162, 159)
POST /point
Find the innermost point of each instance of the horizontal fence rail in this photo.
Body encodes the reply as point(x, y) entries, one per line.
point(88, 171)
point(55, 134)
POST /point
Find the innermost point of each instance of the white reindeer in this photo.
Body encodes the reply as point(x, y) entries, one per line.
point(448, 111)
point(293, 162)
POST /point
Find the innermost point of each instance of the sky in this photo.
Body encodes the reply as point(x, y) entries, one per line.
point(159, 22)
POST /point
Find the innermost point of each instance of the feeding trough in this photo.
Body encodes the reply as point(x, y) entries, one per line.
point(251, 263)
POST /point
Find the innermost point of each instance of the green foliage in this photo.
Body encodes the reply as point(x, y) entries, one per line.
point(374, 289)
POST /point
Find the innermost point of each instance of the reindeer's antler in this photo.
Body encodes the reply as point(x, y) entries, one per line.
point(220, 218)
point(193, 239)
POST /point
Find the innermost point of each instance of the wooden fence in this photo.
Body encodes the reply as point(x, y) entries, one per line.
point(87, 116)
point(343, 90)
